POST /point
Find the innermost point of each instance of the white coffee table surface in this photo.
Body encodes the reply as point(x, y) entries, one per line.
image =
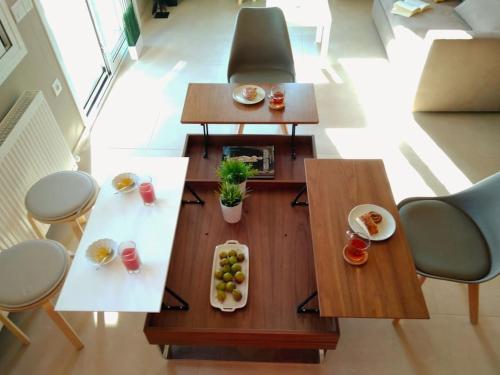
point(123, 217)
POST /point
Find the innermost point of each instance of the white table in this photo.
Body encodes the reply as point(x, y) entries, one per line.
point(314, 13)
point(124, 217)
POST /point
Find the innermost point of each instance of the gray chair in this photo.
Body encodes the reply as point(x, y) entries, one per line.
point(457, 237)
point(261, 50)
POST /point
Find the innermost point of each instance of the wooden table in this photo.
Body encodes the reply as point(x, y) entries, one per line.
point(386, 286)
point(212, 103)
point(124, 217)
point(281, 261)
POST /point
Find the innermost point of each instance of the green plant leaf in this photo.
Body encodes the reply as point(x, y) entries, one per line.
point(235, 171)
point(230, 194)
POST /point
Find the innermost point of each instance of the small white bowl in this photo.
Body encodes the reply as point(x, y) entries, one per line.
point(92, 250)
point(120, 177)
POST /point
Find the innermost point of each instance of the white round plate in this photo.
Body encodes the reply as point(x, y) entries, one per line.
point(92, 249)
point(124, 175)
point(238, 95)
point(386, 228)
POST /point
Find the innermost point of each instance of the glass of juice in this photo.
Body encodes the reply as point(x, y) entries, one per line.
point(277, 97)
point(356, 246)
point(130, 256)
point(147, 191)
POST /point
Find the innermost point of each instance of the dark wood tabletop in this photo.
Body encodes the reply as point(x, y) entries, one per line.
point(213, 103)
point(386, 286)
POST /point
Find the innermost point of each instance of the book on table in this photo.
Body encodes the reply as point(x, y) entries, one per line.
point(408, 8)
point(261, 158)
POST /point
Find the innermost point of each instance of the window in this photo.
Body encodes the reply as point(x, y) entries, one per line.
point(12, 49)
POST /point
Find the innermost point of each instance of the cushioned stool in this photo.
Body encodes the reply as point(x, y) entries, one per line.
point(30, 274)
point(61, 197)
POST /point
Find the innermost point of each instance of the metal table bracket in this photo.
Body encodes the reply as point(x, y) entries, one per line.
point(198, 199)
point(296, 201)
point(183, 306)
point(302, 309)
point(294, 153)
point(205, 139)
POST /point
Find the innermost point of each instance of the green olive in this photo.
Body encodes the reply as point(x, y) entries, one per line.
point(230, 286)
point(226, 268)
point(232, 253)
point(239, 277)
point(235, 268)
point(233, 259)
point(222, 254)
point(218, 274)
point(240, 257)
point(237, 295)
point(227, 277)
point(221, 285)
point(221, 295)
point(223, 262)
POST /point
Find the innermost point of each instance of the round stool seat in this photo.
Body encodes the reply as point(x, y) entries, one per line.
point(30, 271)
point(60, 195)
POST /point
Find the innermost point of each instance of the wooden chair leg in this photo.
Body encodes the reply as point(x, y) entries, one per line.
point(241, 128)
point(473, 303)
point(63, 325)
point(14, 329)
point(420, 280)
point(284, 129)
point(35, 227)
point(77, 229)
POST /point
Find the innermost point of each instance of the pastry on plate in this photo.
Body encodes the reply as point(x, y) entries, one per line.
point(367, 221)
point(249, 92)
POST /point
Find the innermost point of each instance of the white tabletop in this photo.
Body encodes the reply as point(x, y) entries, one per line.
point(124, 217)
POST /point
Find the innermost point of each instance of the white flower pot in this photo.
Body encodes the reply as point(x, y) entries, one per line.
point(231, 214)
point(136, 50)
point(243, 187)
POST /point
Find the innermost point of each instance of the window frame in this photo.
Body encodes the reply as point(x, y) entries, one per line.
point(16, 52)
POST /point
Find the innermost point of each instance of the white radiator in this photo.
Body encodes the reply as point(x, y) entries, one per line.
point(31, 146)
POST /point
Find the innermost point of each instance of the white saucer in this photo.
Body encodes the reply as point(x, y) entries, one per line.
point(238, 95)
point(386, 227)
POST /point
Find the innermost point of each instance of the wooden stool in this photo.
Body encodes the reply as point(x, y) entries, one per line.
point(62, 197)
point(30, 274)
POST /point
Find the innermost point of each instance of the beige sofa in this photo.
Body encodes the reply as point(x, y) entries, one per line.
point(446, 65)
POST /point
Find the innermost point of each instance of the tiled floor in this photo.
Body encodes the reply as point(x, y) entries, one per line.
point(364, 114)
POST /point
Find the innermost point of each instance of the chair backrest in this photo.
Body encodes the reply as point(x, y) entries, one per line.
point(260, 41)
point(482, 203)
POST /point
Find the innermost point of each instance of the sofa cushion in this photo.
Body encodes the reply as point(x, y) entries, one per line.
point(481, 15)
point(440, 16)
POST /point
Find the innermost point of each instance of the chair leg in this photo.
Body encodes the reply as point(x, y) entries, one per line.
point(241, 128)
point(284, 129)
point(77, 229)
point(63, 325)
point(35, 227)
point(421, 281)
point(473, 302)
point(14, 329)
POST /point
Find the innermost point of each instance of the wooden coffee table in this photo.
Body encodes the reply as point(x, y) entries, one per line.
point(212, 103)
point(386, 286)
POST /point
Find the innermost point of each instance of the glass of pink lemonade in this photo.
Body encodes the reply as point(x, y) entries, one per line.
point(130, 256)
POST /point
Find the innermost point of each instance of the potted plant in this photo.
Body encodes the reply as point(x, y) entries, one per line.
point(231, 202)
point(132, 33)
point(236, 172)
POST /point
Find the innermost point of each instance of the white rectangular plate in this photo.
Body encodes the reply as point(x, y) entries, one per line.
point(229, 305)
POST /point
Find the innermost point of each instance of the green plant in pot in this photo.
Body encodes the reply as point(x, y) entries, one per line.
point(132, 32)
point(236, 172)
point(231, 201)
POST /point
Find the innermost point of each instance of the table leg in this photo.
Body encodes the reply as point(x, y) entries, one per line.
point(294, 154)
point(319, 33)
point(205, 139)
point(325, 40)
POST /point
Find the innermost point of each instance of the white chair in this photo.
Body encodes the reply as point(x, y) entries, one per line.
point(30, 274)
point(61, 197)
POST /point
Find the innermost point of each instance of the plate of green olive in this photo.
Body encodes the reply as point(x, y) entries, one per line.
point(229, 285)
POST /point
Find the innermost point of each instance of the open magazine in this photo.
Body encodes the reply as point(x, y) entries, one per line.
point(408, 8)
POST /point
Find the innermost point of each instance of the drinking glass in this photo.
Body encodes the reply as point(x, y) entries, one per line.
point(277, 97)
point(130, 256)
point(147, 191)
point(356, 246)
